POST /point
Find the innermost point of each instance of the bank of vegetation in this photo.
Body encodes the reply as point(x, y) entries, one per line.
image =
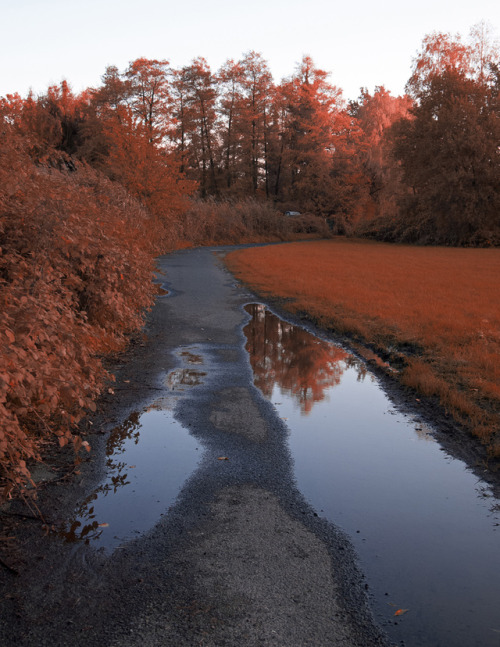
point(94, 185)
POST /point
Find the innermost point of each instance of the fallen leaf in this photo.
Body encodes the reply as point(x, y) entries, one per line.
point(131, 467)
point(223, 458)
point(400, 612)
point(103, 525)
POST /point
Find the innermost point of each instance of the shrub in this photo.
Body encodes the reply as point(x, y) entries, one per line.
point(75, 276)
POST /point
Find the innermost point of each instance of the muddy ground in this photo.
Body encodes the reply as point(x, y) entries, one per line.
point(240, 559)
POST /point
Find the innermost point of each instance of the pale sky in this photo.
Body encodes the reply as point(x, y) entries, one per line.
point(361, 43)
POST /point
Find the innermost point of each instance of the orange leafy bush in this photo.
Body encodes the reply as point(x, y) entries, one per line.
point(75, 276)
point(434, 311)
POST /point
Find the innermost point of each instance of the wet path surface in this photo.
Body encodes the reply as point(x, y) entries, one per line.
point(244, 454)
point(236, 555)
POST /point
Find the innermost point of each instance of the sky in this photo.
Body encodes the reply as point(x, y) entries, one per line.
point(362, 44)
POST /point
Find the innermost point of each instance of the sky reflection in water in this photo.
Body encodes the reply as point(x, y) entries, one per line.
point(425, 529)
point(148, 459)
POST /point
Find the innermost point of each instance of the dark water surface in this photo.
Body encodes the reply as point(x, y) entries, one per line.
point(148, 459)
point(426, 530)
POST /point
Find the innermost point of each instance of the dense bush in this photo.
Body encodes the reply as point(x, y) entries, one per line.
point(209, 221)
point(75, 276)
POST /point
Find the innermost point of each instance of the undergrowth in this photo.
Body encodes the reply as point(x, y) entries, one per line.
point(76, 267)
point(229, 222)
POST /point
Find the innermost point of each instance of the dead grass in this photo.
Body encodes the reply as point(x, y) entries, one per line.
point(433, 311)
point(208, 222)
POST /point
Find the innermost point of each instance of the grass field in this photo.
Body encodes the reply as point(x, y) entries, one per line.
point(433, 312)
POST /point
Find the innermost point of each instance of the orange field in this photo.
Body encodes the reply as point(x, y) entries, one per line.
point(434, 312)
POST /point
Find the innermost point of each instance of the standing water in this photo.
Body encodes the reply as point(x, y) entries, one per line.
point(148, 459)
point(425, 528)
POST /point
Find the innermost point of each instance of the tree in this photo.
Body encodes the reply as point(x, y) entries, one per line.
point(311, 126)
point(196, 95)
point(375, 113)
point(128, 132)
point(230, 80)
point(450, 161)
point(256, 85)
point(53, 120)
point(448, 148)
point(148, 95)
point(439, 53)
point(183, 120)
point(484, 52)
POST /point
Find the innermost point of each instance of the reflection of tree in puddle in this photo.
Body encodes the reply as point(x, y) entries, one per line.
point(291, 358)
point(423, 431)
point(161, 404)
point(85, 526)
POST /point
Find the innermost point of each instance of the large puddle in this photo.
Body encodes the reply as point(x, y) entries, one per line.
point(426, 530)
point(148, 459)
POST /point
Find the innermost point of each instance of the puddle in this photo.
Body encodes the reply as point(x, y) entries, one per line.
point(179, 378)
point(425, 529)
point(280, 353)
point(182, 377)
point(160, 287)
point(148, 459)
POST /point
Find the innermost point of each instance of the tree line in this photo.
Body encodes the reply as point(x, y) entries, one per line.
point(422, 167)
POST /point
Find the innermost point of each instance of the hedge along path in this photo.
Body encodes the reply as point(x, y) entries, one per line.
point(75, 278)
point(433, 311)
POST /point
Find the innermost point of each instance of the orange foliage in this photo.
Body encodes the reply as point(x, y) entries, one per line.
point(433, 310)
point(147, 171)
point(75, 275)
